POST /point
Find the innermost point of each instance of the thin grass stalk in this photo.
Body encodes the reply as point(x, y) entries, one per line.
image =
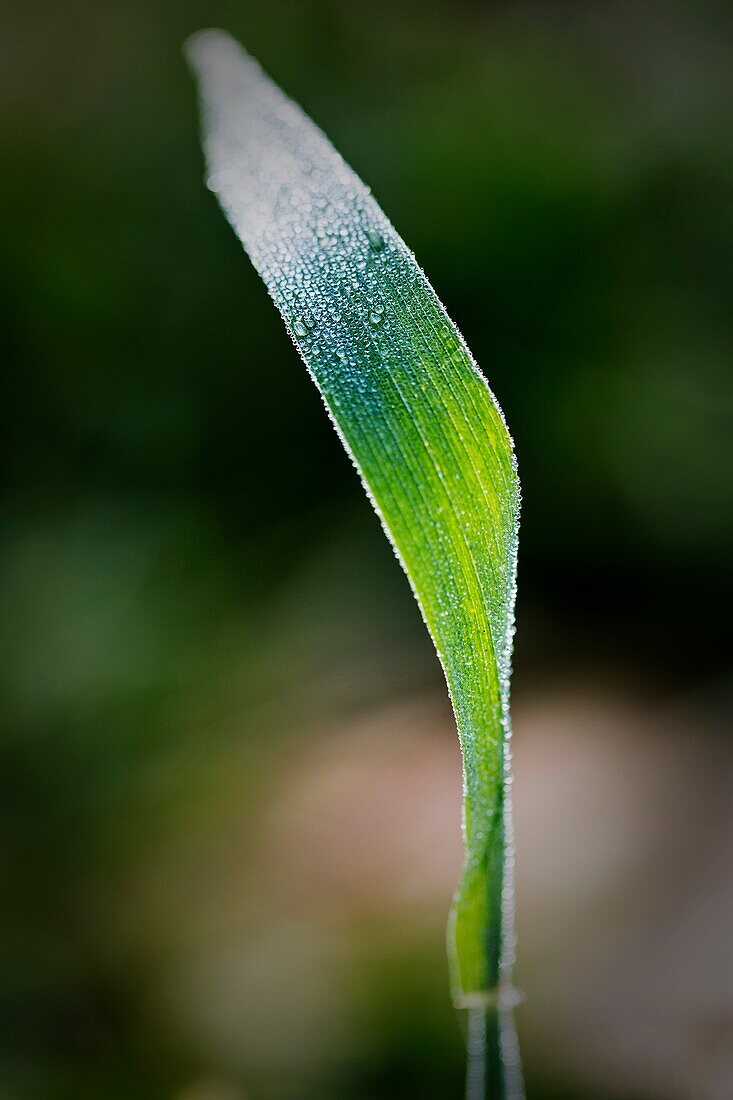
point(434, 454)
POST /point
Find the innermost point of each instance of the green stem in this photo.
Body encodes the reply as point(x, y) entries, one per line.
point(494, 1071)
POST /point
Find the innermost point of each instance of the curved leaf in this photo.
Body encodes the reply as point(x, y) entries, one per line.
point(419, 422)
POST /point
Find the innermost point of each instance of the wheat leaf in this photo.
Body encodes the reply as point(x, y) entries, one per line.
point(419, 423)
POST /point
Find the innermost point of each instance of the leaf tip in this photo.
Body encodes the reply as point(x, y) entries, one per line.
point(208, 46)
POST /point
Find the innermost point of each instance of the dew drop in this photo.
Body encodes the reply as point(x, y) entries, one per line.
point(299, 329)
point(375, 318)
point(376, 240)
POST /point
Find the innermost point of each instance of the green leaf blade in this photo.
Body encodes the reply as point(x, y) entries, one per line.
point(419, 422)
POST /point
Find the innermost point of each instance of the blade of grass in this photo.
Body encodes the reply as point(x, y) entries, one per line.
point(431, 447)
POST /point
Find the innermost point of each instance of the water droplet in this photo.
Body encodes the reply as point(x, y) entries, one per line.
point(341, 354)
point(376, 240)
point(299, 329)
point(375, 318)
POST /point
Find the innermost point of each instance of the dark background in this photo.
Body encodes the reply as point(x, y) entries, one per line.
point(229, 778)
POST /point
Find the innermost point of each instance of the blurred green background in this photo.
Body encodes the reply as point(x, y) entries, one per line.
point(230, 780)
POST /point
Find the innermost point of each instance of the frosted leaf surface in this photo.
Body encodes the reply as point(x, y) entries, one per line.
point(417, 419)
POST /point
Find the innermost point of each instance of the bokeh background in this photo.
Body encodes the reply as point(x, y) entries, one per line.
point(229, 774)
